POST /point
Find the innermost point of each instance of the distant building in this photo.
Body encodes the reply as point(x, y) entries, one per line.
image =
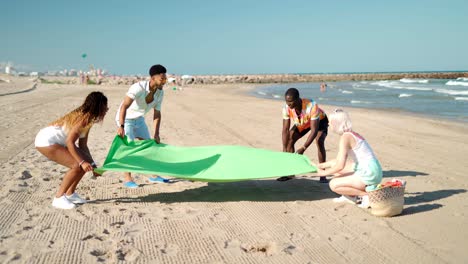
point(10, 70)
point(51, 73)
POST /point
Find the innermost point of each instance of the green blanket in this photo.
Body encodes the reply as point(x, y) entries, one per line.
point(209, 163)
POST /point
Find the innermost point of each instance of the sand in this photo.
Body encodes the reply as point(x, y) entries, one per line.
point(260, 221)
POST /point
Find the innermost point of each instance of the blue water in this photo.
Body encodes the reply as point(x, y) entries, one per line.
point(445, 98)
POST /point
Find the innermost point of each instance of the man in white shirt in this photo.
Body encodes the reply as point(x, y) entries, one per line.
point(139, 100)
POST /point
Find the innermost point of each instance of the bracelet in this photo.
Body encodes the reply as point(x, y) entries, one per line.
point(94, 164)
point(122, 126)
point(304, 147)
point(81, 163)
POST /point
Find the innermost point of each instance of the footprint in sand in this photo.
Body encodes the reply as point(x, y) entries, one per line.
point(290, 249)
point(101, 255)
point(25, 175)
point(98, 253)
point(118, 224)
point(129, 254)
point(88, 237)
point(218, 217)
point(168, 249)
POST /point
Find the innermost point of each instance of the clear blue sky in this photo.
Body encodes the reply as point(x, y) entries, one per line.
point(222, 37)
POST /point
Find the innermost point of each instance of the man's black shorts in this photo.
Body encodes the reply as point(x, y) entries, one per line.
point(323, 126)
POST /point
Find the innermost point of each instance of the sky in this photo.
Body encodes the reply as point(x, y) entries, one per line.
point(235, 37)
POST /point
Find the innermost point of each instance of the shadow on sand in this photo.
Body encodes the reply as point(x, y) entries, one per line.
point(299, 189)
point(397, 173)
point(425, 197)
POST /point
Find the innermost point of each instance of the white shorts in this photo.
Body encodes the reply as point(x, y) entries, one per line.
point(49, 136)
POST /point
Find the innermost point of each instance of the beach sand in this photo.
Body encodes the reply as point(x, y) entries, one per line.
point(259, 221)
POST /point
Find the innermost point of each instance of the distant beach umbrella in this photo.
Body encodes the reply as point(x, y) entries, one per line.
point(84, 55)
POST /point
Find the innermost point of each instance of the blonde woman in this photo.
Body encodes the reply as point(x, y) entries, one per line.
point(351, 181)
point(57, 143)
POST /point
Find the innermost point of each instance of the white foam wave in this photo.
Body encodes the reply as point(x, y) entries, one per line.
point(347, 92)
point(404, 95)
point(461, 98)
point(452, 92)
point(397, 85)
point(261, 93)
point(408, 80)
point(276, 96)
point(456, 83)
point(462, 79)
point(360, 102)
point(370, 89)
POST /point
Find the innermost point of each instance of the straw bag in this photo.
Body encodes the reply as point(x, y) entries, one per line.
point(387, 201)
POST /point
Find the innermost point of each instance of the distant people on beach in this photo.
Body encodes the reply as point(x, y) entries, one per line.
point(323, 87)
point(57, 143)
point(352, 180)
point(140, 98)
point(82, 78)
point(306, 117)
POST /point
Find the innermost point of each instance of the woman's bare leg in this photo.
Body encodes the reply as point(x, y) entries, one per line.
point(62, 156)
point(348, 185)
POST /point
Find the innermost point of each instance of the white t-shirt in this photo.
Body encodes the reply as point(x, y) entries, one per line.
point(139, 107)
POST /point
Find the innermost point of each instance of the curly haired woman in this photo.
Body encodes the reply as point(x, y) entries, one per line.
point(57, 143)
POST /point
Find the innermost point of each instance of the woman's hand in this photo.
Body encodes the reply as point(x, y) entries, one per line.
point(321, 172)
point(86, 166)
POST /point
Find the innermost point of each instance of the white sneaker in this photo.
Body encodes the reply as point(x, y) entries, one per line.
point(62, 203)
point(365, 203)
point(345, 198)
point(76, 199)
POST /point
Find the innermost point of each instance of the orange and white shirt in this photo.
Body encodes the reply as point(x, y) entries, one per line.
point(310, 111)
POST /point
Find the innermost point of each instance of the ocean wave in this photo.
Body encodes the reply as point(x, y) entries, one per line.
point(462, 79)
point(397, 85)
point(452, 92)
point(456, 83)
point(360, 102)
point(409, 80)
point(364, 89)
point(261, 93)
point(461, 98)
point(404, 95)
point(276, 96)
point(370, 89)
point(346, 92)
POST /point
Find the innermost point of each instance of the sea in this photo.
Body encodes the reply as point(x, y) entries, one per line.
point(437, 98)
